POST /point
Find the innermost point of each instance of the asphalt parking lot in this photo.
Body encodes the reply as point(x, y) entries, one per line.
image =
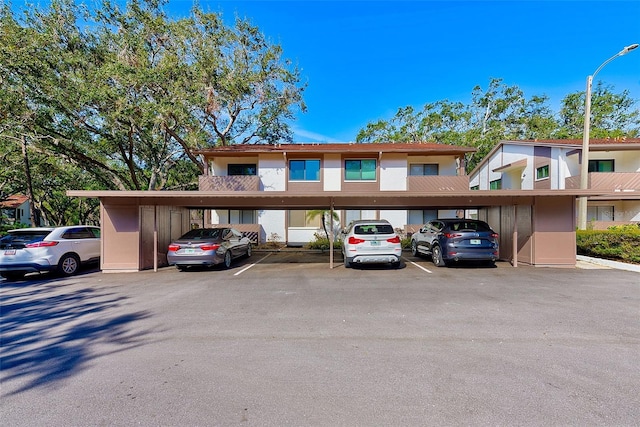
point(280, 339)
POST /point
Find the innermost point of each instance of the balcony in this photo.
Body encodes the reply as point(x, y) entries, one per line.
point(437, 183)
point(608, 181)
point(229, 183)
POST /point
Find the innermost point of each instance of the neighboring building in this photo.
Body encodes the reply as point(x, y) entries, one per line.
point(315, 168)
point(614, 166)
point(15, 210)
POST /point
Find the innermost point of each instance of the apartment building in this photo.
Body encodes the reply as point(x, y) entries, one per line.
point(614, 168)
point(337, 167)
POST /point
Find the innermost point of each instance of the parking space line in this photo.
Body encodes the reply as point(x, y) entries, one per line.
point(419, 266)
point(251, 265)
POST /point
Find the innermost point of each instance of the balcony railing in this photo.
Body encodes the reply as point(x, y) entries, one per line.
point(609, 181)
point(437, 183)
point(229, 183)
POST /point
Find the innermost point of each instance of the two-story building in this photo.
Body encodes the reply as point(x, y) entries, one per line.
point(614, 168)
point(318, 168)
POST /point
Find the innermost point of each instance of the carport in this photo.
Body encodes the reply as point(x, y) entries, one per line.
point(536, 227)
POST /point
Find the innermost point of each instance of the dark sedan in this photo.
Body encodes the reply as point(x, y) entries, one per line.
point(455, 239)
point(207, 247)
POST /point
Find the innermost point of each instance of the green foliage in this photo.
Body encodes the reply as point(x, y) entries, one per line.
point(321, 242)
point(502, 112)
point(621, 243)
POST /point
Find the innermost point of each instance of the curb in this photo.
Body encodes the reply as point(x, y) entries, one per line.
point(608, 263)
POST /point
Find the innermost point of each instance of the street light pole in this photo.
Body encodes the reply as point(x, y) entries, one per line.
point(584, 166)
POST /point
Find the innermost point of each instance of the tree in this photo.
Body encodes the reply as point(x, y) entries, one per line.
point(129, 95)
point(326, 219)
point(612, 114)
point(499, 112)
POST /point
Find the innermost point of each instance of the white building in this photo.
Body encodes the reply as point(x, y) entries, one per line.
point(614, 165)
point(314, 168)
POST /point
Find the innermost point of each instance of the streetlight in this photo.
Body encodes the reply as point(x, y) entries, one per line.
point(584, 170)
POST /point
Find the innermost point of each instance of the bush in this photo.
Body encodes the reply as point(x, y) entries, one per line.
point(620, 243)
point(321, 242)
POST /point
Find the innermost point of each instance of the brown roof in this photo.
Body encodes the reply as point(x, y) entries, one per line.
point(13, 201)
point(595, 144)
point(427, 148)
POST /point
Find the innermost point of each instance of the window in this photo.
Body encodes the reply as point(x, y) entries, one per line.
point(78, 233)
point(496, 185)
point(475, 187)
point(360, 170)
point(238, 216)
point(421, 216)
point(600, 213)
point(601, 165)
point(301, 219)
point(241, 169)
point(304, 170)
point(423, 169)
point(542, 172)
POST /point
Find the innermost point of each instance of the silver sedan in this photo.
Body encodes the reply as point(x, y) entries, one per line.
point(207, 247)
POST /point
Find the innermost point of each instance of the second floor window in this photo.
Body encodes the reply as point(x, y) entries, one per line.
point(241, 169)
point(360, 170)
point(304, 170)
point(601, 166)
point(542, 172)
point(496, 185)
point(423, 169)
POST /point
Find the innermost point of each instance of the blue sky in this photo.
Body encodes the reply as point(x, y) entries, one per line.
point(362, 60)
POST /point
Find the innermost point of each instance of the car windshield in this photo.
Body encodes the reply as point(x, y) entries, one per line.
point(469, 226)
point(202, 234)
point(373, 229)
point(19, 238)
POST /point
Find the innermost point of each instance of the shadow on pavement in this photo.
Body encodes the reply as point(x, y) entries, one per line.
point(51, 329)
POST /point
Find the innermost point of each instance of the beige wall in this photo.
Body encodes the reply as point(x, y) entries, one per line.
point(554, 231)
point(130, 233)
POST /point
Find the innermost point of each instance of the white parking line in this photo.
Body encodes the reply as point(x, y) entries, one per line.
point(251, 265)
point(419, 266)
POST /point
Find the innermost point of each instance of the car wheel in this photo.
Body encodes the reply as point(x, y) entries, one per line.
point(181, 267)
point(347, 264)
point(436, 256)
point(395, 264)
point(13, 275)
point(227, 259)
point(69, 264)
point(249, 250)
point(414, 248)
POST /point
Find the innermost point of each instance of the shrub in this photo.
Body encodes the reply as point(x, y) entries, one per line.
point(621, 243)
point(321, 242)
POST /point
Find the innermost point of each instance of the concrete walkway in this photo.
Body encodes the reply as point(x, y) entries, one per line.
point(586, 262)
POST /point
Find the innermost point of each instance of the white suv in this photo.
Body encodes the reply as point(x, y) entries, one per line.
point(59, 249)
point(371, 241)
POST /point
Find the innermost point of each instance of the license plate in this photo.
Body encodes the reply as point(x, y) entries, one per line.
point(375, 243)
point(10, 252)
point(475, 241)
point(189, 251)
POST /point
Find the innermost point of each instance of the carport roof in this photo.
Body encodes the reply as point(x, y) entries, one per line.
point(330, 199)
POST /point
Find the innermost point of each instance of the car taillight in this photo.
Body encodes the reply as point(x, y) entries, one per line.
point(40, 244)
point(209, 247)
point(495, 235)
point(173, 248)
point(451, 235)
point(394, 240)
point(355, 240)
